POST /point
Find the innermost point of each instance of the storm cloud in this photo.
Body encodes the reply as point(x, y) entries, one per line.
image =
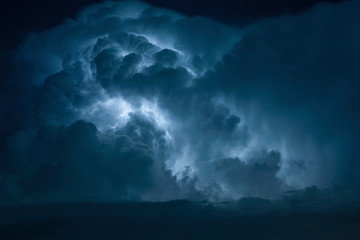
point(134, 102)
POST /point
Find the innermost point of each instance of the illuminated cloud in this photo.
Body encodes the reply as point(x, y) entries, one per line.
point(133, 102)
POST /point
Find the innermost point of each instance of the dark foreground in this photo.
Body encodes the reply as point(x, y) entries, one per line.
point(178, 220)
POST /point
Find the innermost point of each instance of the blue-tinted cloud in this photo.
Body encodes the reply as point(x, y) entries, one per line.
point(132, 102)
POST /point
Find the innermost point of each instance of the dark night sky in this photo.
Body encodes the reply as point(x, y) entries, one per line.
point(18, 17)
point(248, 111)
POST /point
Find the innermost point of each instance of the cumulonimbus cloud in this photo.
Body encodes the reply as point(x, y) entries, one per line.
point(133, 102)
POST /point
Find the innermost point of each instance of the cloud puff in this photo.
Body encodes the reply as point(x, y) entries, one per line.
point(79, 163)
point(295, 78)
point(108, 113)
point(132, 102)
